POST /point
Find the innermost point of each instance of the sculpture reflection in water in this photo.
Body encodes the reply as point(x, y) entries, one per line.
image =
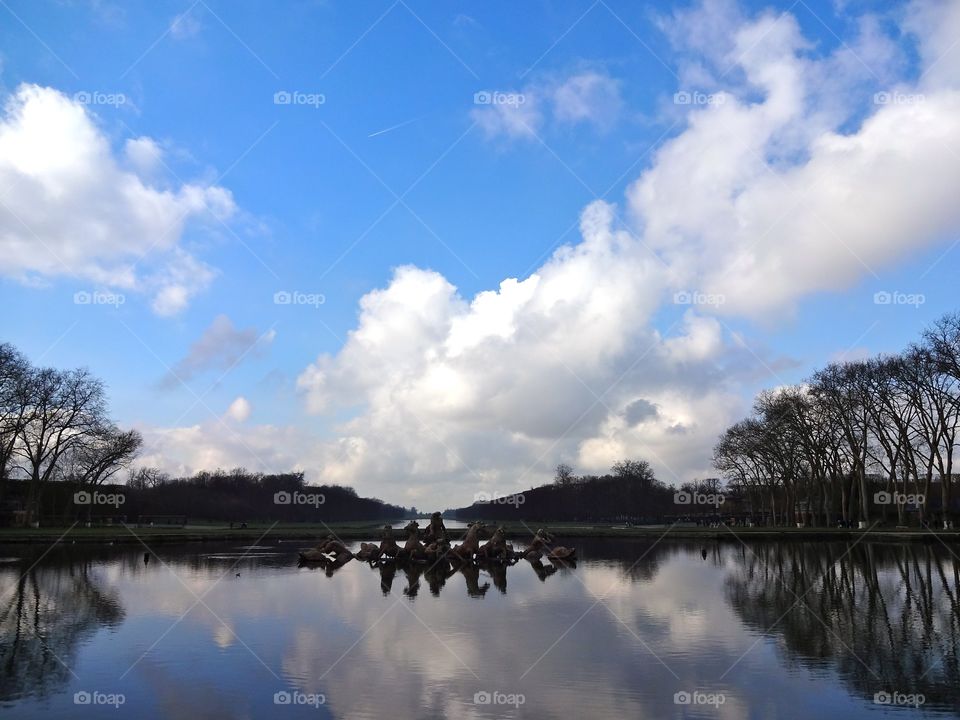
point(428, 553)
point(886, 616)
point(46, 612)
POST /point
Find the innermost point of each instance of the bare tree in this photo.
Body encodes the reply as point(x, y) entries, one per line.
point(564, 475)
point(145, 478)
point(102, 454)
point(843, 392)
point(65, 407)
point(14, 405)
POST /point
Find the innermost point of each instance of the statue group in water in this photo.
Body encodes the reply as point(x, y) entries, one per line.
point(429, 552)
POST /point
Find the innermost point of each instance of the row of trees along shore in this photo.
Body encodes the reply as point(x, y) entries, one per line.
point(857, 441)
point(54, 425)
point(238, 496)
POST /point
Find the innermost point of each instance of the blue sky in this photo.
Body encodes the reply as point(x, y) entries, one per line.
point(399, 166)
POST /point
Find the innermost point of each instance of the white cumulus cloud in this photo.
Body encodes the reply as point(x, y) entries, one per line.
point(69, 208)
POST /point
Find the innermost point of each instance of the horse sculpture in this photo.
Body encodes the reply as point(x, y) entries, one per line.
point(541, 544)
point(413, 549)
point(496, 548)
point(368, 551)
point(470, 545)
point(388, 546)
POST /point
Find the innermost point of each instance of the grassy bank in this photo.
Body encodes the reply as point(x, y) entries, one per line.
point(514, 530)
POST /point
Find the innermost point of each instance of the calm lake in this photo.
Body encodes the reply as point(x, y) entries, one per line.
point(636, 630)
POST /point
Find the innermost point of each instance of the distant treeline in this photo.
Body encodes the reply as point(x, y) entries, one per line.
point(630, 492)
point(236, 496)
point(242, 495)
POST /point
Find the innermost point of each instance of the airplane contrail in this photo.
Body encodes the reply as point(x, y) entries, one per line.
point(394, 127)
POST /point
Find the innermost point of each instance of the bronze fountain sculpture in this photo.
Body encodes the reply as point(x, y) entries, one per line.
point(428, 552)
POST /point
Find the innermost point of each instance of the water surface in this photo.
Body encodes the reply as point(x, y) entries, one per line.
point(228, 630)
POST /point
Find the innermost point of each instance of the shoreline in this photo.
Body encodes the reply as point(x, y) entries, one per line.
point(368, 531)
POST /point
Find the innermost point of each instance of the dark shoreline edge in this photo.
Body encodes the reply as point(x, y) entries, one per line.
point(110, 536)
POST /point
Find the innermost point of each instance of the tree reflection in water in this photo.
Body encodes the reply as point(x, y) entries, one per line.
point(885, 616)
point(46, 612)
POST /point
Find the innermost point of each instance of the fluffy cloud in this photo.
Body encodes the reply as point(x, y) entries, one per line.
point(764, 202)
point(239, 409)
point(144, 154)
point(69, 208)
point(495, 391)
point(220, 347)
